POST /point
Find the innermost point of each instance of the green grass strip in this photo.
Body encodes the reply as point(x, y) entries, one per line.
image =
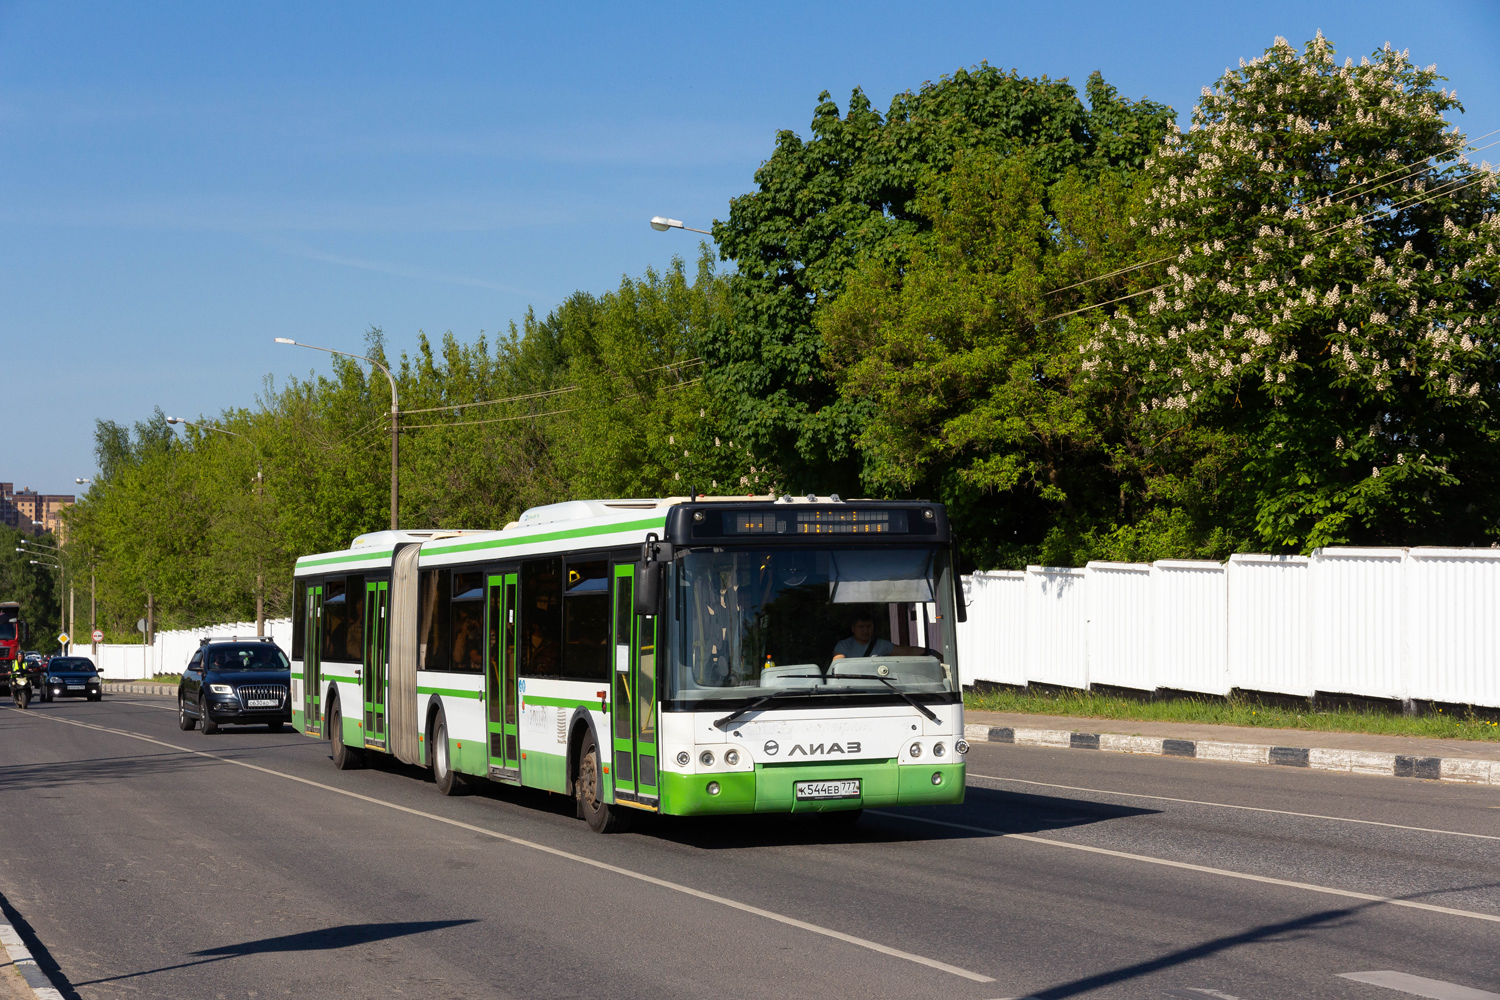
point(1235, 712)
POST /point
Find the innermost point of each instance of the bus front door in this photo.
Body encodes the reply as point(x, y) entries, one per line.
point(312, 664)
point(500, 677)
point(633, 704)
point(377, 659)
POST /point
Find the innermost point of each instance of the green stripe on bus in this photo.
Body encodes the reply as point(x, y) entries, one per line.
point(336, 677)
point(451, 692)
point(531, 699)
point(360, 557)
point(296, 677)
point(551, 536)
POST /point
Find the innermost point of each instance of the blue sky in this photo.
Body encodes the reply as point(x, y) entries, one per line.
point(180, 183)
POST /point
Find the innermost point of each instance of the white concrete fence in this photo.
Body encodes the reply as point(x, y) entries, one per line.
point(1418, 624)
point(170, 652)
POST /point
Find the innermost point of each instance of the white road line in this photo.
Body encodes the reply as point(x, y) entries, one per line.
point(1411, 904)
point(860, 942)
point(1227, 805)
point(1435, 989)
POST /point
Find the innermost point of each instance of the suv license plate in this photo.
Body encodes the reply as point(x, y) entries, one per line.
point(263, 703)
point(847, 788)
point(75, 687)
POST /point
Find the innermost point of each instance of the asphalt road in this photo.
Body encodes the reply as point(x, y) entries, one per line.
point(167, 864)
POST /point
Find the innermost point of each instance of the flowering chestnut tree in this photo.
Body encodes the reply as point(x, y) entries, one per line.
point(1331, 310)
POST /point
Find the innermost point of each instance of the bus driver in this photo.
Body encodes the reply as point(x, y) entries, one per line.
point(864, 643)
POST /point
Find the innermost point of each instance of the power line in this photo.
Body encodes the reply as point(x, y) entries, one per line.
point(537, 416)
point(544, 393)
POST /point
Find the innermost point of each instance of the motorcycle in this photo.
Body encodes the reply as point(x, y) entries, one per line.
point(20, 689)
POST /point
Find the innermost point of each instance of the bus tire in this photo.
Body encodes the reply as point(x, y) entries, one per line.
point(448, 781)
point(345, 758)
point(205, 721)
point(598, 814)
point(185, 722)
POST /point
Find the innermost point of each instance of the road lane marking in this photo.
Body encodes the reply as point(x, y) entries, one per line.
point(1434, 989)
point(1187, 866)
point(860, 942)
point(1228, 805)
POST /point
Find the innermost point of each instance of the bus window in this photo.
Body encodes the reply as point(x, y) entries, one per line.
point(432, 620)
point(541, 618)
point(468, 622)
point(354, 616)
point(299, 616)
point(586, 621)
point(335, 619)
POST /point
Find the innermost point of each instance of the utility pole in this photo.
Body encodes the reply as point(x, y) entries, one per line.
point(72, 620)
point(150, 630)
point(93, 613)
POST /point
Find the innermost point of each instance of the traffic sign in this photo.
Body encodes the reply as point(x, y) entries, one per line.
point(140, 625)
point(98, 635)
point(63, 638)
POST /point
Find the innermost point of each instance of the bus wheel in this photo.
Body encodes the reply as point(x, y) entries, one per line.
point(448, 781)
point(600, 816)
point(345, 758)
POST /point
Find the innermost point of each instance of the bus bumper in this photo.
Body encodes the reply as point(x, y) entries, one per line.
point(773, 789)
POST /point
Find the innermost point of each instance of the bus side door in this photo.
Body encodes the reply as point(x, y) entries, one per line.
point(500, 676)
point(312, 663)
point(377, 653)
point(633, 704)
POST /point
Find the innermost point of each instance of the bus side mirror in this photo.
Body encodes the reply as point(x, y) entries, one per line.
point(648, 588)
point(25, 630)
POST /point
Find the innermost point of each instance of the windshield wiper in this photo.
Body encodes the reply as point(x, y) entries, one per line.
point(914, 703)
point(741, 711)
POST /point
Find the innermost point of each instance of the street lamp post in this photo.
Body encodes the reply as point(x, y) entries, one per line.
point(661, 224)
point(260, 491)
point(395, 413)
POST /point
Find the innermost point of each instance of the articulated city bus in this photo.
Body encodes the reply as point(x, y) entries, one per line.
point(681, 656)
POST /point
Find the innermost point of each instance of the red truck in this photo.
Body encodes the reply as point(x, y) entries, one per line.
point(13, 632)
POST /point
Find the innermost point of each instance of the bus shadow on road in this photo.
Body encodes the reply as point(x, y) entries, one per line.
point(986, 812)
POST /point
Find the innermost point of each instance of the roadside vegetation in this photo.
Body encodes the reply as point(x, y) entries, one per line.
point(1436, 724)
point(1090, 334)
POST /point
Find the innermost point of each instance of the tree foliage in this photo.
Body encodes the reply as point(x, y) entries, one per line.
point(1330, 311)
point(855, 191)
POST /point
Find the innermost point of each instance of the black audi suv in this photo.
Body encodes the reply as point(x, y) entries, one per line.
point(71, 677)
point(235, 682)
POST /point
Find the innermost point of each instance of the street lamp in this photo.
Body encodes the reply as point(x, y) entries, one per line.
point(260, 489)
point(395, 412)
point(661, 224)
point(84, 482)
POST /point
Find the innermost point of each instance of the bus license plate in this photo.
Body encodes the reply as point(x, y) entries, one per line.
point(847, 788)
point(263, 703)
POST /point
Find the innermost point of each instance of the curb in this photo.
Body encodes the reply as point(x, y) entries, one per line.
point(1390, 765)
point(21, 958)
point(163, 690)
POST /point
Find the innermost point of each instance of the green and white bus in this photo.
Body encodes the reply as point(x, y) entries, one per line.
point(681, 656)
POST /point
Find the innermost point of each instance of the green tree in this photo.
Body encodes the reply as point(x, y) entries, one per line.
point(1330, 312)
point(855, 191)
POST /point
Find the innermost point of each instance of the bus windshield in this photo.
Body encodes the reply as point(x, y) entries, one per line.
point(756, 621)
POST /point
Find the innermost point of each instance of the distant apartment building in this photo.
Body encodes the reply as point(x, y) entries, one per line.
point(31, 511)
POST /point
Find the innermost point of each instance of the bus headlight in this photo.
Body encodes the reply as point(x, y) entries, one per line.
point(713, 788)
point(938, 749)
point(706, 758)
point(962, 746)
point(916, 750)
point(684, 758)
point(731, 757)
